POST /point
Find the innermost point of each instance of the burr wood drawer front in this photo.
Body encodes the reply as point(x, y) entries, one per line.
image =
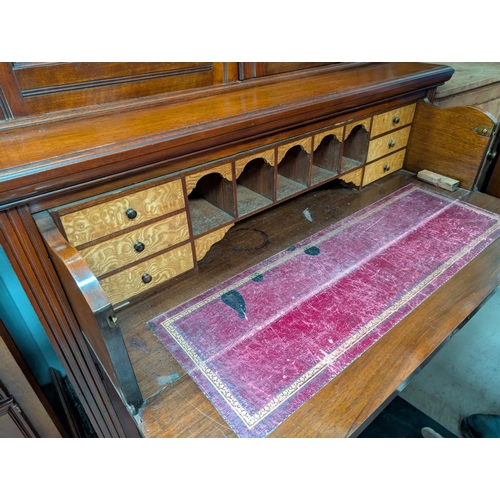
point(123, 212)
point(383, 167)
point(137, 244)
point(137, 279)
point(388, 143)
point(392, 120)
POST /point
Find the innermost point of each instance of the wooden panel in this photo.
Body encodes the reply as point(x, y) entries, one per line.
point(243, 162)
point(93, 311)
point(119, 251)
point(128, 283)
point(225, 170)
point(454, 151)
point(355, 177)
point(106, 218)
point(305, 144)
point(204, 244)
point(337, 132)
point(388, 143)
point(58, 86)
point(52, 152)
point(383, 167)
point(366, 123)
point(12, 104)
point(393, 119)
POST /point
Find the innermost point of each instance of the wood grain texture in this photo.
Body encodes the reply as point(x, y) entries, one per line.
point(13, 102)
point(204, 244)
point(241, 163)
point(383, 167)
point(128, 283)
point(106, 218)
point(119, 251)
point(355, 177)
point(305, 144)
point(60, 86)
point(225, 171)
point(384, 122)
point(36, 159)
point(366, 124)
point(338, 132)
point(25, 249)
point(457, 152)
point(388, 143)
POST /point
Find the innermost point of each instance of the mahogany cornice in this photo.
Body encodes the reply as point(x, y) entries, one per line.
point(38, 155)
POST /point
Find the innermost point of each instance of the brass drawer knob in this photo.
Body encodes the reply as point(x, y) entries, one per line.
point(395, 120)
point(387, 168)
point(139, 246)
point(131, 213)
point(392, 143)
point(146, 278)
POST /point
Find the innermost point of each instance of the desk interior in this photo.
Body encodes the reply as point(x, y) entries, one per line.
point(175, 406)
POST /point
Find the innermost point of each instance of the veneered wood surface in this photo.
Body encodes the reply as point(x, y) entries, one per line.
point(177, 408)
point(388, 143)
point(119, 251)
point(127, 283)
point(377, 169)
point(38, 157)
point(384, 122)
point(102, 219)
point(454, 151)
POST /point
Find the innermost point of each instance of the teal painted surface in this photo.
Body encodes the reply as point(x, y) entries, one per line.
point(21, 321)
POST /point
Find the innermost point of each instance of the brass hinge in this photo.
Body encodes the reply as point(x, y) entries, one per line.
point(483, 130)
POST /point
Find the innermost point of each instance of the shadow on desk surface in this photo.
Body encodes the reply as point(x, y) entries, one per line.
point(400, 419)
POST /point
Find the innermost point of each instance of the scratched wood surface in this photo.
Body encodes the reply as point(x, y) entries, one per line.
point(175, 407)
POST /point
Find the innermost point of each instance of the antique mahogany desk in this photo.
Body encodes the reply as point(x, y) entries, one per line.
point(116, 212)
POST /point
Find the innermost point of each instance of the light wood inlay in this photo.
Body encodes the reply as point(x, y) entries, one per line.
point(379, 169)
point(119, 251)
point(202, 245)
point(225, 170)
point(355, 177)
point(385, 122)
point(364, 123)
point(128, 283)
point(382, 146)
point(337, 132)
point(106, 218)
point(240, 164)
point(305, 143)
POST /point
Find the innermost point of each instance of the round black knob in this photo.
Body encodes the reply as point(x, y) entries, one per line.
point(387, 168)
point(146, 278)
point(139, 246)
point(131, 213)
point(392, 143)
point(395, 119)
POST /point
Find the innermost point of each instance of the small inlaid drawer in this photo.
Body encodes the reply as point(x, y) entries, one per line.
point(139, 278)
point(383, 167)
point(392, 120)
point(136, 245)
point(121, 213)
point(388, 143)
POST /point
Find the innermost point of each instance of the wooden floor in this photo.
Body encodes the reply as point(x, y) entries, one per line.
point(175, 407)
